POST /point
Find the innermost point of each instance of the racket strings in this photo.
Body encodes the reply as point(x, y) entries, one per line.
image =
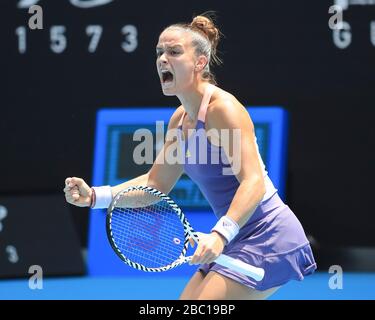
point(138, 236)
point(150, 234)
point(140, 244)
point(120, 223)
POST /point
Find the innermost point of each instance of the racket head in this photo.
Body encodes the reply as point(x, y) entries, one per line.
point(147, 229)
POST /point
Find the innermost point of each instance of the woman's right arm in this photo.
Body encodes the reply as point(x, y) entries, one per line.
point(162, 175)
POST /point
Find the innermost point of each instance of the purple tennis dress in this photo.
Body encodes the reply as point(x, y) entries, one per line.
point(272, 238)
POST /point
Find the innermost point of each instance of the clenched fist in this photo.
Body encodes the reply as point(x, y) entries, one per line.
point(77, 192)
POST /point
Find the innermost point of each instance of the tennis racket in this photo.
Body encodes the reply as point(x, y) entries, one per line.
point(149, 232)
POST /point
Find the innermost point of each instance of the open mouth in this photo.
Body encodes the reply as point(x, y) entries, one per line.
point(166, 76)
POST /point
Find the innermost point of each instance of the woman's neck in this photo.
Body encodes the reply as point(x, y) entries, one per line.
point(192, 99)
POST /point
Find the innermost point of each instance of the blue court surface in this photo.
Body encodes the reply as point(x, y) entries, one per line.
point(356, 286)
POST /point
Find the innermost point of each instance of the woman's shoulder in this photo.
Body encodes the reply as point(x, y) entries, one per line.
point(223, 100)
point(224, 107)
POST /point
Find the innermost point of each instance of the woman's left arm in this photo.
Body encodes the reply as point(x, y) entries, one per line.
point(242, 152)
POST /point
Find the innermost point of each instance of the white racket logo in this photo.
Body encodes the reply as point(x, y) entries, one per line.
point(176, 240)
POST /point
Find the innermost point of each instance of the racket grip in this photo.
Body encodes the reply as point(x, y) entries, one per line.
point(241, 267)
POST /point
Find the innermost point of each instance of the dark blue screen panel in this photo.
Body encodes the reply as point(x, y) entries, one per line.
point(114, 164)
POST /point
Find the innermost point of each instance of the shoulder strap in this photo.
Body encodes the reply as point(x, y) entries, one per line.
point(204, 104)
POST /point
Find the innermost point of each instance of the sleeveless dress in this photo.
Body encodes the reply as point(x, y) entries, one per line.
point(272, 238)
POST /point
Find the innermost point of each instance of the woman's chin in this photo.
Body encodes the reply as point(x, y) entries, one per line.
point(169, 94)
point(168, 91)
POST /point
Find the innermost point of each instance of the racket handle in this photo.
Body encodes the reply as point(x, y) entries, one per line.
point(241, 267)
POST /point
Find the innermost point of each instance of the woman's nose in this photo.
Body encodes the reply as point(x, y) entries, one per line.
point(163, 58)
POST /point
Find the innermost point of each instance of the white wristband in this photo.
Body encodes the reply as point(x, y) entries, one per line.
point(227, 227)
point(103, 197)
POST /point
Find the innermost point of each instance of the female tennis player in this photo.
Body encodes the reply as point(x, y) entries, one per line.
point(254, 225)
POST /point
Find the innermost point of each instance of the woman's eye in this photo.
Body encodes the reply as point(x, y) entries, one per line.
point(171, 52)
